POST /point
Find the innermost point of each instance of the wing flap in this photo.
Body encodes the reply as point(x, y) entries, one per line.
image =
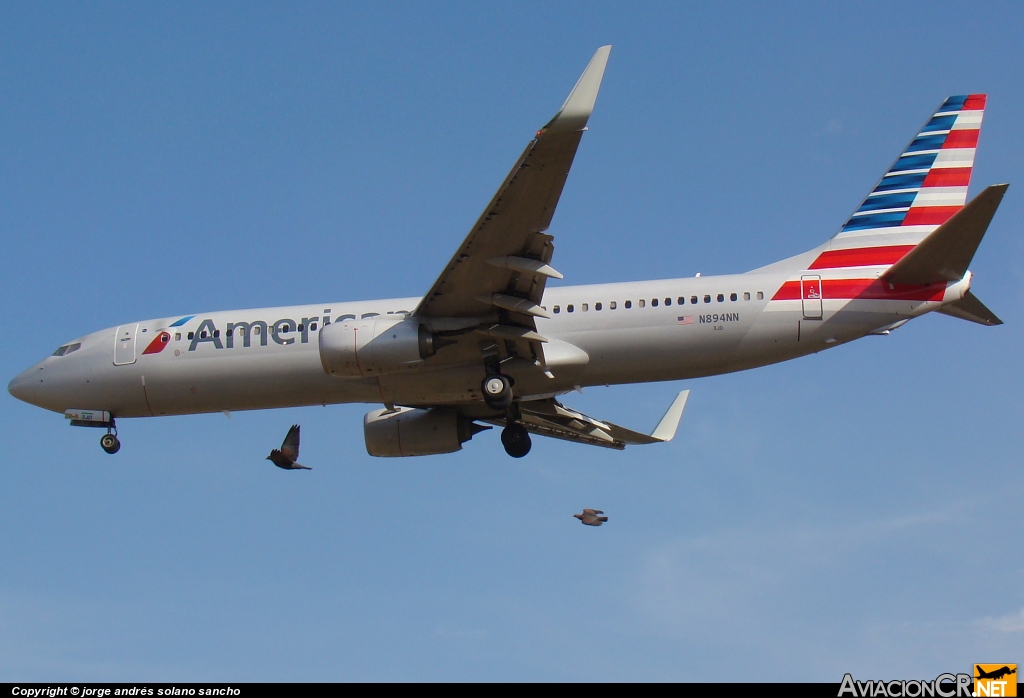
point(551, 418)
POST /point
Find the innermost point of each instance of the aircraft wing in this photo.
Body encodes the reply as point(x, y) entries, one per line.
point(551, 418)
point(502, 265)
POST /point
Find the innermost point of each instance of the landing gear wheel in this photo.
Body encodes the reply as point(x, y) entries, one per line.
point(110, 443)
point(497, 391)
point(516, 440)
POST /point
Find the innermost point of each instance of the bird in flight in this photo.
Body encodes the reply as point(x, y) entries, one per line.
point(289, 453)
point(590, 517)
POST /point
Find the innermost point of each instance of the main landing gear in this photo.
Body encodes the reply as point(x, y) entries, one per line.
point(497, 392)
point(516, 439)
point(109, 441)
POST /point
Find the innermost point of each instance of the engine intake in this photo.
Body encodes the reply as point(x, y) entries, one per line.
point(375, 345)
point(409, 431)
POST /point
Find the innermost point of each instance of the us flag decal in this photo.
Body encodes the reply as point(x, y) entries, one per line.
point(685, 319)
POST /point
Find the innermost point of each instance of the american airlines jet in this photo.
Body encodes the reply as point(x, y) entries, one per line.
point(490, 344)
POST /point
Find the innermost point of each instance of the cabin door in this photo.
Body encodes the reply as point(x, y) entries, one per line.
point(124, 344)
point(810, 295)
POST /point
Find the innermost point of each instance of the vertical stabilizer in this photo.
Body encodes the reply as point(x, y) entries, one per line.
point(926, 185)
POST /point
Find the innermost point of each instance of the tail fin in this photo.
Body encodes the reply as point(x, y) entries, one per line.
point(926, 185)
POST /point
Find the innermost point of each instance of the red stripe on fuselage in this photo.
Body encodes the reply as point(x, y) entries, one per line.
point(930, 215)
point(865, 289)
point(967, 138)
point(948, 177)
point(860, 257)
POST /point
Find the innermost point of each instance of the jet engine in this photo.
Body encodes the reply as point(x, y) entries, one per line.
point(414, 432)
point(375, 345)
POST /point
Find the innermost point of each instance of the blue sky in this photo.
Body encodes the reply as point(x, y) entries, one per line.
point(849, 511)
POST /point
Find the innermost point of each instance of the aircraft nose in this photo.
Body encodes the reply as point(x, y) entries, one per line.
point(26, 387)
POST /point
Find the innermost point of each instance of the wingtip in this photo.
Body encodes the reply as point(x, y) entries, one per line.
point(578, 106)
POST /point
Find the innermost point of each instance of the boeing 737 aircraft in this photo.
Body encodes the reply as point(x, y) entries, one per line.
point(489, 344)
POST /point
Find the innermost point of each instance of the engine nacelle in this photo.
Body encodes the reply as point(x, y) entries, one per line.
point(414, 432)
point(374, 345)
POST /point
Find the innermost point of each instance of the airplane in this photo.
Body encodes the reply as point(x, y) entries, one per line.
point(995, 674)
point(489, 344)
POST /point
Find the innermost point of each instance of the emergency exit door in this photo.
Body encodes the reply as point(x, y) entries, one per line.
point(124, 344)
point(810, 296)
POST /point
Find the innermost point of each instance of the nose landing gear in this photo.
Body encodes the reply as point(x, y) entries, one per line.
point(109, 441)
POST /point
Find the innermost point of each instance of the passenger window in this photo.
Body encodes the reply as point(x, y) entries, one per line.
point(642, 302)
point(597, 306)
point(612, 305)
point(668, 301)
point(746, 295)
point(654, 302)
point(177, 336)
point(557, 309)
point(707, 299)
point(312, 327)
point(693, 300)
point(733, 296)
point(203, 335)
point(760, 295)
point(255, 330)
point(681, 300)
point(216, 333)
point(721, 297)
point(569, 308)
point(628, 304)
point(302, 327)
point(585, 307)
point(191, 335)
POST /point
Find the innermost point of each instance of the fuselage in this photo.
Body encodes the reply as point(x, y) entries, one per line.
point(602, 334)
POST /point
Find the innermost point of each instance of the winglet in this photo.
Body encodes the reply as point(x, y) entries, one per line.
point(579, 104)
point(666, 428)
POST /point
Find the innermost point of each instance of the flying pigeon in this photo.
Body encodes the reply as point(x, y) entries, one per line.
point(590, 517)
point(286, 457)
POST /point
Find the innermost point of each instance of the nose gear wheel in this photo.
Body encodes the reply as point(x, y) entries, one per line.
point(110, 443)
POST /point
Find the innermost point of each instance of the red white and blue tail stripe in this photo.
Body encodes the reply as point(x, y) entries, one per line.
point(928, 183)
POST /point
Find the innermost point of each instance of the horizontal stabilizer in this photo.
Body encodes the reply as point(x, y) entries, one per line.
point(947, 252)
point(971, 309)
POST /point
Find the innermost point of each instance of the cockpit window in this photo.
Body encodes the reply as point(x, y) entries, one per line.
point(66, 349)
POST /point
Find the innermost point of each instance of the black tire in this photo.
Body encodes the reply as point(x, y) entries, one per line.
point(497, 391)
point(516, 440)
point(110, 443)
